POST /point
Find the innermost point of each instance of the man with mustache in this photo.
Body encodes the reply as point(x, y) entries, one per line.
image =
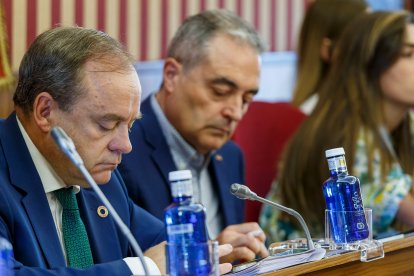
point(210, 76)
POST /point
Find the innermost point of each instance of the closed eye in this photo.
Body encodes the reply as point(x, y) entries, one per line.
point(108, 125)
point(248, 98)
point(221, 91)
point(407, 54)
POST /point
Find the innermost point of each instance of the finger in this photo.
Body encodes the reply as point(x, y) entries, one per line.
point(258, 234)
point(242, 254)
point(250, 242)
point(253, 244)
point(244, 227)
point(224, 249)
point(263, 252)
point(229, 236)
point(225, 268)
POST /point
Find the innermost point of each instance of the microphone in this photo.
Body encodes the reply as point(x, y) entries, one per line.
point(67, 146)
point(243, 192)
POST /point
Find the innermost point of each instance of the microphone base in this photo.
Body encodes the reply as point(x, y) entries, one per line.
point(369, 249)
point(290, 247)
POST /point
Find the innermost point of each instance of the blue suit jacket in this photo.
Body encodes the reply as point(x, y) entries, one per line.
point(26, 220)
point(145, 170)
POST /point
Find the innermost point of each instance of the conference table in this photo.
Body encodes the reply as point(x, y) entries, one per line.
point(398, 259)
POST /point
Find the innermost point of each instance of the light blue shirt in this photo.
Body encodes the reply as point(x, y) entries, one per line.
point(187, 158)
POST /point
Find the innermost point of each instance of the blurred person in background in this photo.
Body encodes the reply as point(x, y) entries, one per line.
point(324, 22)
point(364, 107)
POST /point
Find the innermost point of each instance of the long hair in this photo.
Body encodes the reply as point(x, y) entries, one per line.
point(321, 21)
point(351, 101)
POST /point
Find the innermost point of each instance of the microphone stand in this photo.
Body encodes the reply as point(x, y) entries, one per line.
point(293, 213)
point(248, 194)
point(67, 146)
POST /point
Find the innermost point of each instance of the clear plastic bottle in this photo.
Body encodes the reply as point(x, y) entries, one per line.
point(188, 252)
point(6, 258)
point(342, 194)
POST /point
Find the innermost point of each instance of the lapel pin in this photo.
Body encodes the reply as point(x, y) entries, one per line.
point(219, 157)
point(102, 211)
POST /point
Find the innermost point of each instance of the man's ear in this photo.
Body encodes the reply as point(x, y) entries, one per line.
point(326, 50)
point(172, 70)
point(42, 109)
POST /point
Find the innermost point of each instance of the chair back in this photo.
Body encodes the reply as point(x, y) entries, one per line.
point(262, 135)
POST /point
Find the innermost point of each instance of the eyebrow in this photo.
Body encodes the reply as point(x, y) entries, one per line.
point(224, 81)
point(115, 117)
point(411, 45)
point(230, 83)
point(112, 117)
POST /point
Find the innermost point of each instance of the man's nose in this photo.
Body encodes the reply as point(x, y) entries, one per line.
point(121, 142)
point(234, 109)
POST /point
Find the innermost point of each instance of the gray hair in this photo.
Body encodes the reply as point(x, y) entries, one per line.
point(189, 43)
point(55, 60)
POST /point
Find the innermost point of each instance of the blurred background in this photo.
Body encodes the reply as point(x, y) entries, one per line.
point(145, 28)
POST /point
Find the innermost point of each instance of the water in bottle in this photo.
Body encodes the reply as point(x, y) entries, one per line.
point(6, 258)
point(187, 238)
point(342, 194)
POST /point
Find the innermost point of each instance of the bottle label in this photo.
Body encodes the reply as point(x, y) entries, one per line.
point(337, 163)
point(357, 200)
point(180, 229)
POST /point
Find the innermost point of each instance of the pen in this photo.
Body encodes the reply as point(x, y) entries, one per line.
point(399, 236)
point(392, 238)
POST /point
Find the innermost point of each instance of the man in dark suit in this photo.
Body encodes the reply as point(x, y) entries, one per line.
point(210, 76)
point(83, 81)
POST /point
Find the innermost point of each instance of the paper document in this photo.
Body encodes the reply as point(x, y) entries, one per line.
point(280, 261)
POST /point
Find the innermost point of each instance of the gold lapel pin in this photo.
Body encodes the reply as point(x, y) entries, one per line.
point(102, 211)
point(219, 157)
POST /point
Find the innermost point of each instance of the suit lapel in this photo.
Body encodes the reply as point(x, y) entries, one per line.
point(155, 138)
point(220, 171)
point(24, 176)
point(43, 225)
point(102, 234)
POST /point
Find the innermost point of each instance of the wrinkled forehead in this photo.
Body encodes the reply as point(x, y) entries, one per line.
point(108, 64)
point(100, 80)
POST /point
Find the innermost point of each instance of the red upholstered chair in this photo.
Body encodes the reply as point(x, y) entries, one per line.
point(262, 134)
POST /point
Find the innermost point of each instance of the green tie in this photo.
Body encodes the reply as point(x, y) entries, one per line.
point(76, 239)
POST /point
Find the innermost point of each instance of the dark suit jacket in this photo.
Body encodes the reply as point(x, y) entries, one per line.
point(145, 170)
point(26, 220)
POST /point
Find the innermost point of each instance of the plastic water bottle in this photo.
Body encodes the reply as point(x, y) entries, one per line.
point(343, 200)
point(187, 238)
point(6, 258)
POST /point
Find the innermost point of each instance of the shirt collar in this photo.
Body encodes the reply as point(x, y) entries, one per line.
point(184, 155)
point(50, 180)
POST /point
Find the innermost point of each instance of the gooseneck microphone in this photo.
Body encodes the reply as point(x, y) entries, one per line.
point(243, 192)
point(67, 146)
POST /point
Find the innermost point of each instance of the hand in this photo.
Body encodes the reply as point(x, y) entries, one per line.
point(157, 254)
point(247, 240)
point(224, 250)
point(405, 212)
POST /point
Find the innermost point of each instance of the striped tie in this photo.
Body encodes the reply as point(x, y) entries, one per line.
point(76, 239)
